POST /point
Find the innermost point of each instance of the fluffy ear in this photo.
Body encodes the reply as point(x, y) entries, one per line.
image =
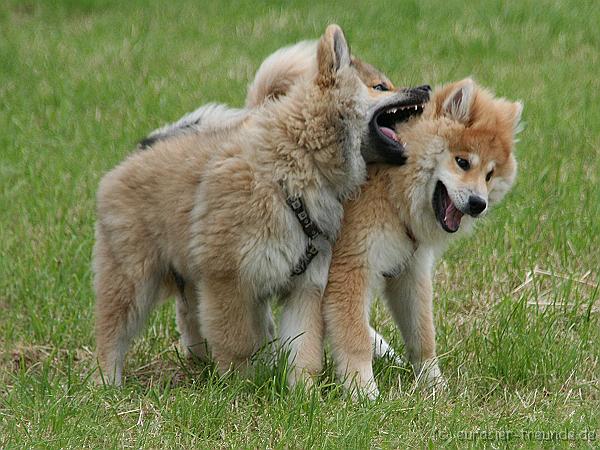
point(457, 105)
point(333, 54)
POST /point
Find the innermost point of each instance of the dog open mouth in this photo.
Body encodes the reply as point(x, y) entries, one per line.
point(382, 144)
point(446, 212)
point(384, 121)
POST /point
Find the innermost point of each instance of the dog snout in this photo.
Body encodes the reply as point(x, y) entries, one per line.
point(419, 94)
point(476, 205)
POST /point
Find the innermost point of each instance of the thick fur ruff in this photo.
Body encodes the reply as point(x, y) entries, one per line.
point(392, 233)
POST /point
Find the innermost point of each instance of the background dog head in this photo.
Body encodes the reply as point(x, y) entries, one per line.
point(390, 107)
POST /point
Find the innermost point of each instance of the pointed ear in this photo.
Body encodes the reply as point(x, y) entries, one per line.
point(457, 105)
point(333, 54)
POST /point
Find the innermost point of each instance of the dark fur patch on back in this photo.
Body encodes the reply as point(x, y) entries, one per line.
point(147, 142)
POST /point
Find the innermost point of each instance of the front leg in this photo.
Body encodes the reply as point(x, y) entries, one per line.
point(301, 330)
point(346, 314)
point(410, 298)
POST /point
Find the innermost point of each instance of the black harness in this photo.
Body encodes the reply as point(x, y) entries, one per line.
point(310, 229)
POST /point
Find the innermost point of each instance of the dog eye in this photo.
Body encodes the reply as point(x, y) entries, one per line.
point(462, 163)
point(488, 177)
point(381, 87)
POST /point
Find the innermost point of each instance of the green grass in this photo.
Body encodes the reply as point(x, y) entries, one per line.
point(81, 81)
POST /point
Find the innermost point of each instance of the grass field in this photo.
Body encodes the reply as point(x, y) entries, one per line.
point(517, 305)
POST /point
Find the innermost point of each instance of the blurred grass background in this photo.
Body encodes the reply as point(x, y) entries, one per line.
point(517, 304)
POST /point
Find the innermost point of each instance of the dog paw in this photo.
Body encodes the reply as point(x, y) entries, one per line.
point(100, 379)
point(429, 377)
point(361, 389)
point(394, 358)
point(370, 392)
point(301, 378)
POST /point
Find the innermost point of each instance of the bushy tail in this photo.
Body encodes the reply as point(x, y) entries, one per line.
point(280, 71)
point(212, 116)
point(273, 79)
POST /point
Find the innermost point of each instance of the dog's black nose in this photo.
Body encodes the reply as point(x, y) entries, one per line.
point(476, 205)
point(425, 87)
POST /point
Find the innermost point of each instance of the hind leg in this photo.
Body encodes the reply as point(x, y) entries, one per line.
point(122, 306)
point(187, 310)
point(302, 335)
point(234, 324)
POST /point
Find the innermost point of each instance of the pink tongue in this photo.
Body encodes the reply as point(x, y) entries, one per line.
point(452, 217)
point(389, 133)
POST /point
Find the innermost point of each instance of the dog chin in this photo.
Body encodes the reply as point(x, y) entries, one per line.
point(376, 150)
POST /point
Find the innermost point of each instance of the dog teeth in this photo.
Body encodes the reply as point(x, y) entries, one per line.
point(405, 108)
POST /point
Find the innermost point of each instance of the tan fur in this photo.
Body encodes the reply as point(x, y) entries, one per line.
point(391, 227)
point(280, 71)
point(210, 206)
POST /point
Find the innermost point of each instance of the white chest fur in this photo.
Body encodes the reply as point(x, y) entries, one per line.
point(390, 251)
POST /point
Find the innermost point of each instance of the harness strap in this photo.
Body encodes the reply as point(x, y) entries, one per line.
point(310, 229)
point(308, 226)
